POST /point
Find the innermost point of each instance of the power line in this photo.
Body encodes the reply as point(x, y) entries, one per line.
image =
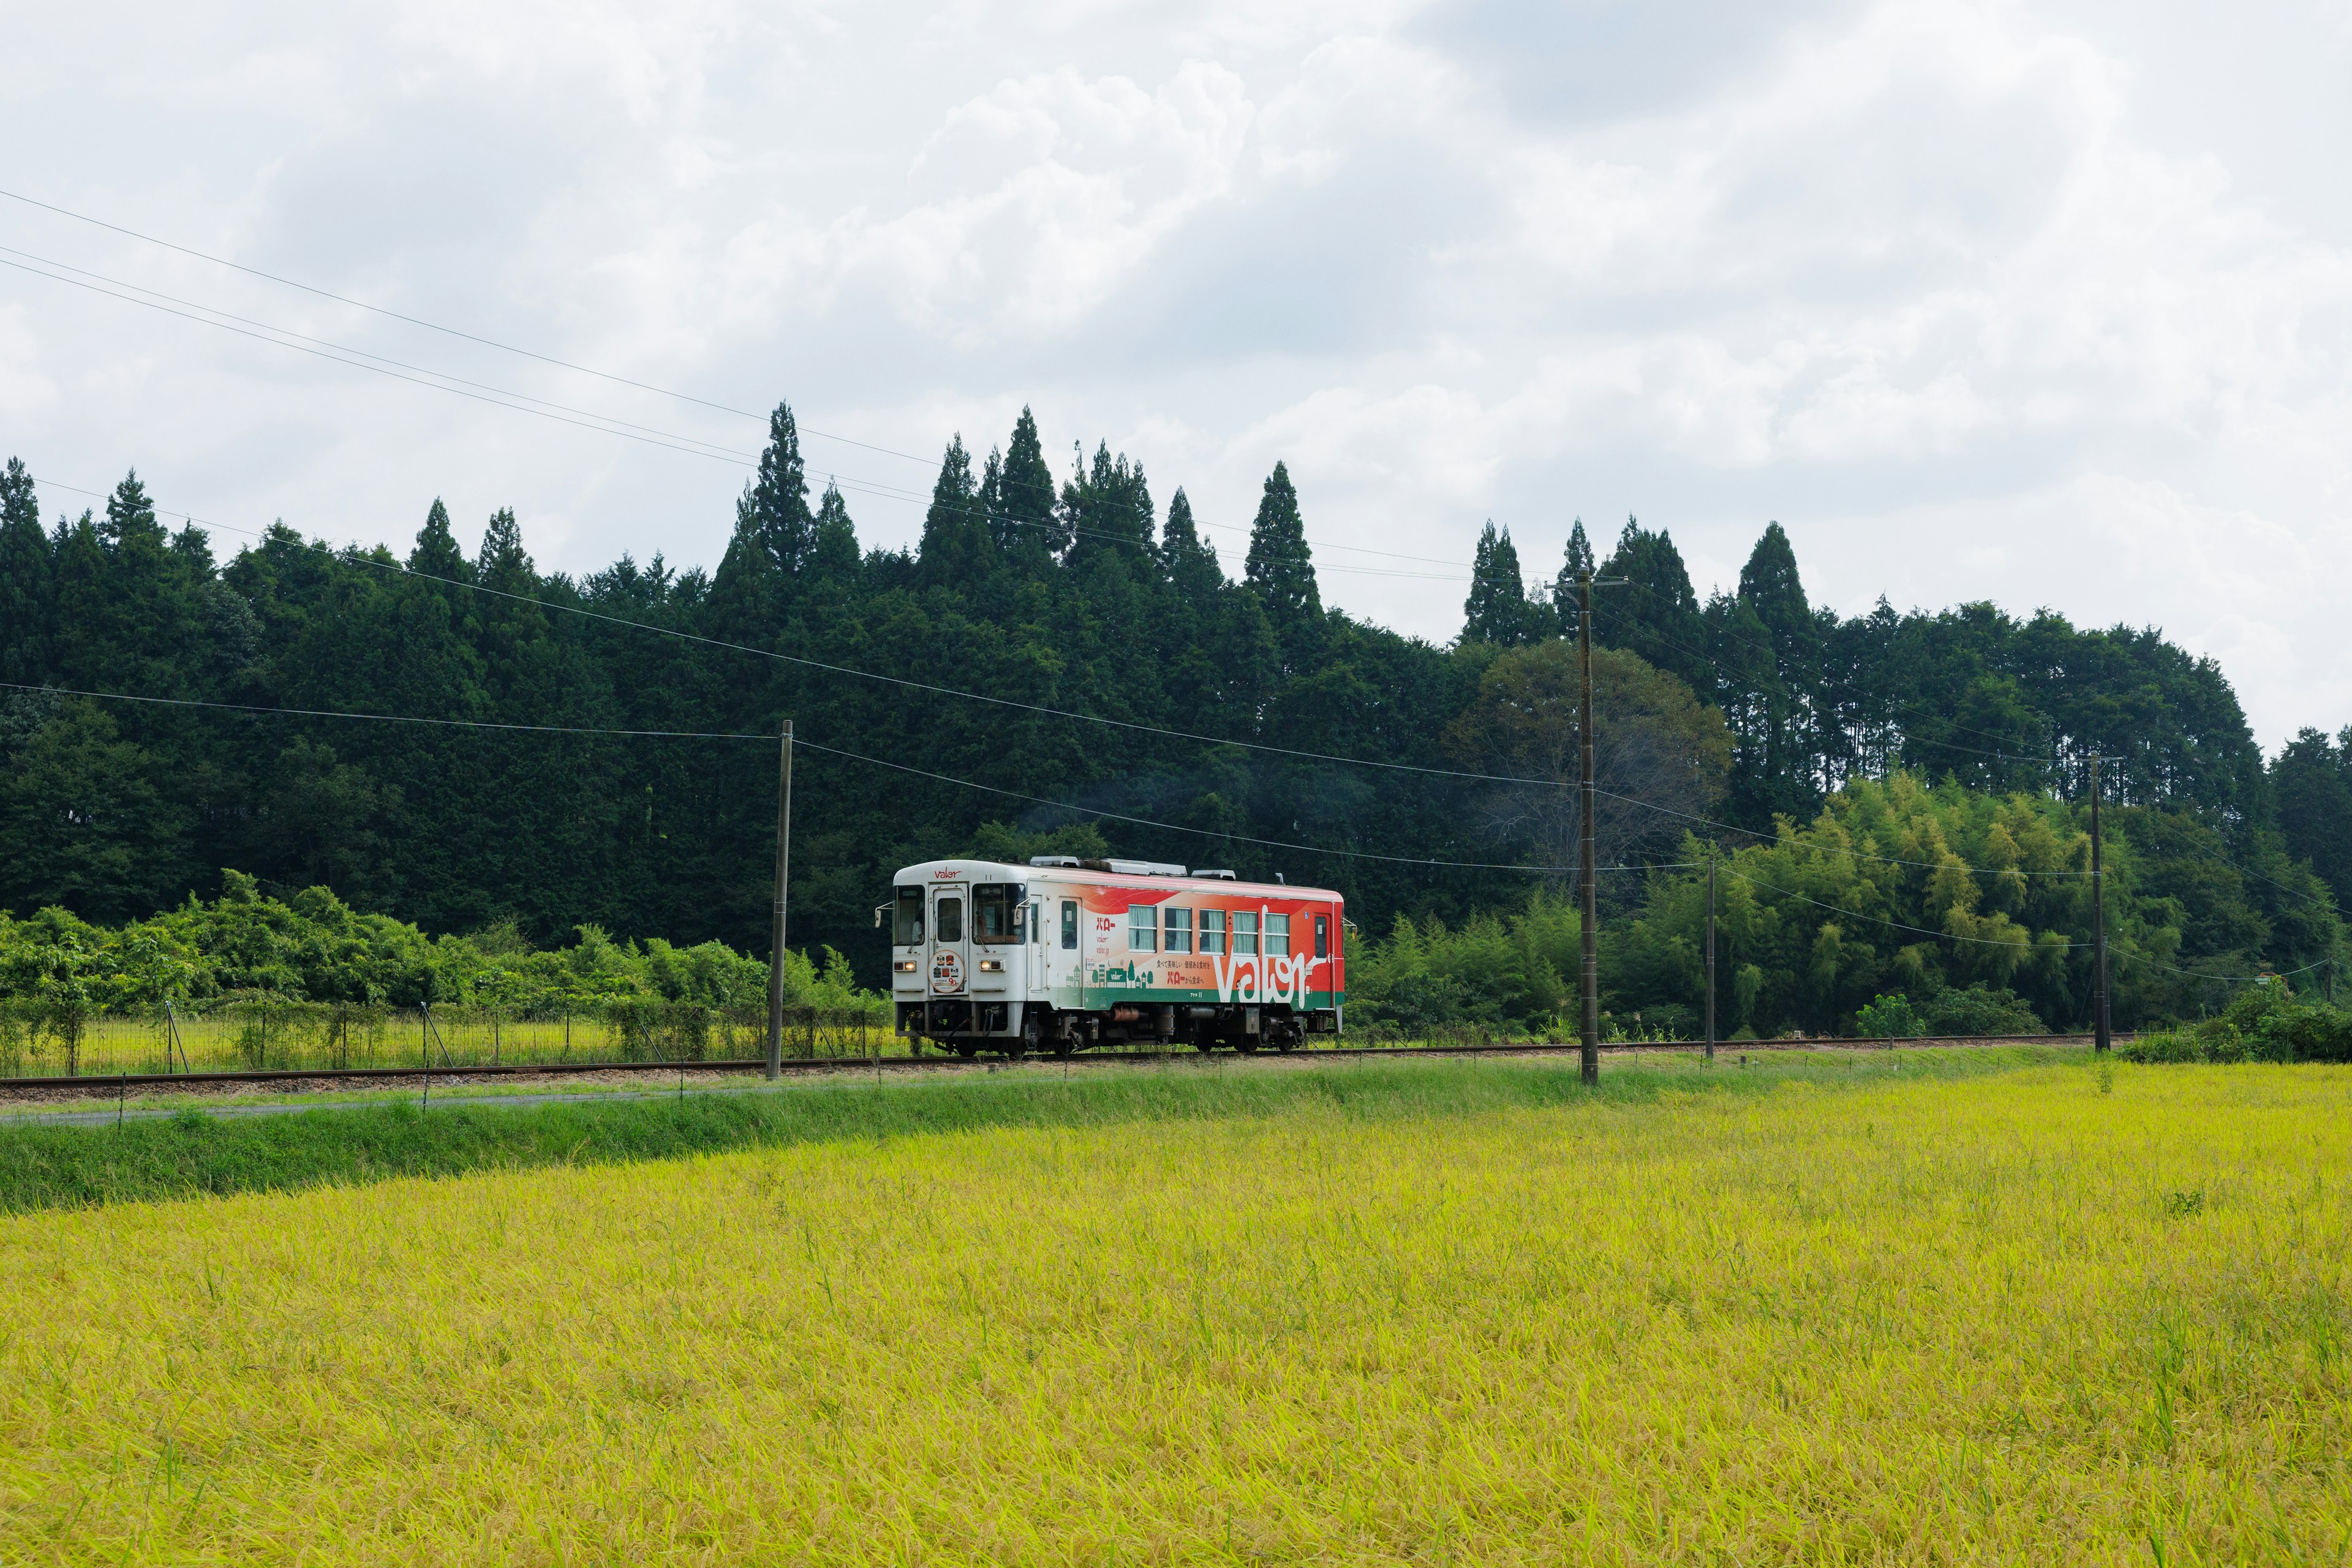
point(587, 423)
point(1130, 725)
point(382, 718)
point(1125, 724)
point(347, 349)
point(443, 381)
point(902, 682)
point(803, 742)
point(1216, 832)
point(437, 327)
point(2233, 979)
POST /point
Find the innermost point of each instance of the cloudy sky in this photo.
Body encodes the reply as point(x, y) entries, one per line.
point(2045, 303)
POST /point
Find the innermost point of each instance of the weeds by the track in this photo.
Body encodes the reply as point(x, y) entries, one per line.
point(192, 1155)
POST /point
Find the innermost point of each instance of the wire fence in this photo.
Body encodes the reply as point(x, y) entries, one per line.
point(264, 1036)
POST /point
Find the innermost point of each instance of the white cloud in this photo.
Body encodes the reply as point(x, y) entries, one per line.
point(1962, 292)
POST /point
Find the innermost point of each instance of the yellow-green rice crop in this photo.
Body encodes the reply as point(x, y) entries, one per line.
point(2053, 1316)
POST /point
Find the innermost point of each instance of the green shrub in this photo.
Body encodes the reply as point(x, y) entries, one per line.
point(1981, 1010)
point(2171, 1046)
point(1890, 1017)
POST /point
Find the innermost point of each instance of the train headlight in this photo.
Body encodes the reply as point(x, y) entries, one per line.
point(905, 966)
point(991, 966)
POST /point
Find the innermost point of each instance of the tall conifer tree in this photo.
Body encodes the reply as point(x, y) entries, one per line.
point(1026, 523)
point(436, 552)
point(1280, 568)
point(1575, 563)
point(955, 547)
point(1192, 560)
point(772, 533)
point(26, 605)
point(1656, 612)
point(1498, 610)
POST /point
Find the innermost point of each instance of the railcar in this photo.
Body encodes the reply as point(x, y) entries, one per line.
point(1063, 954)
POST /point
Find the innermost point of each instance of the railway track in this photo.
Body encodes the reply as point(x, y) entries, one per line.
point(120, 1083)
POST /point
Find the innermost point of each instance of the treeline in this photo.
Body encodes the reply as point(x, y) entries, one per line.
point(1975, 906)
point(314, 948)
point(1076, 595)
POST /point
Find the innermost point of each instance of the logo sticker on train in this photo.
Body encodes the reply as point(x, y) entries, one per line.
point(947, 971)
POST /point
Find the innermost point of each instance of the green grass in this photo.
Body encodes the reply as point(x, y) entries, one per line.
point(191, 1155)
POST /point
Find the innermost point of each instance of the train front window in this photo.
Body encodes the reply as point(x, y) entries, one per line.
point(950, 920)
point(996, 911)
point(907, 919)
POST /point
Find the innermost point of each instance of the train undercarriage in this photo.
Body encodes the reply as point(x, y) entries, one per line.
point(968, 1027)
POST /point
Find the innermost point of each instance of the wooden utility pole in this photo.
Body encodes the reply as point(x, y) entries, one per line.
point(1710, 950)
point(2099, 1037)
point(1589, 1058)
point(776, 921)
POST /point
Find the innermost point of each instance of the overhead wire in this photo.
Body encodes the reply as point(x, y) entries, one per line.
point(269, 333)
point(1130, 725)
point(385, 718)
point(437, 327)
point(565, 413)
point(801, 742)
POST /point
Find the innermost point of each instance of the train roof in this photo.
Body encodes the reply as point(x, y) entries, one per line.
point(1106, 874)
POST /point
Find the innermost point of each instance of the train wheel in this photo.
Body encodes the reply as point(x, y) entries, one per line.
point(1246, 1044)
point(967, 1052)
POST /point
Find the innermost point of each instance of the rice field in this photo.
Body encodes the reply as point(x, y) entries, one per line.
point(2064, 1314)
point(249, 1037)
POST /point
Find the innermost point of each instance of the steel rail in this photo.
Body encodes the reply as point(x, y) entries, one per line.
point(94, 1083)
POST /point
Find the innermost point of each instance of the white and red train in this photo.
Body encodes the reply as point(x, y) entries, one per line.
point(1061, 955)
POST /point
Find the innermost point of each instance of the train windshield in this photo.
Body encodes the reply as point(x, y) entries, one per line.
point(906, 925)
point(996, 911)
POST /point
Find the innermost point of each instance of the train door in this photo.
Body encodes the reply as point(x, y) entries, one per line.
point(950, 969)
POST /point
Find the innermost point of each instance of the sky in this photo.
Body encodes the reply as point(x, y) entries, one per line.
point(2045, 304)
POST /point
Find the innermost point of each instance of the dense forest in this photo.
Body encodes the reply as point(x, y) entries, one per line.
point(1067, 662)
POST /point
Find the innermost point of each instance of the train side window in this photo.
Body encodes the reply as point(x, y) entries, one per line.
point(1069, 925)
point(1245, 932)
point(907, 919)
point(1037, 922)
point(1322, 936)
point(1213, 931)
point(992, 916)
point(1180, 931)
point(1143, 929)
point(950, 920)
point(1277, 936)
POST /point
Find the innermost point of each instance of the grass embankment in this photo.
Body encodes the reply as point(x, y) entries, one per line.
point(2042, 1316)
point(192, 1155)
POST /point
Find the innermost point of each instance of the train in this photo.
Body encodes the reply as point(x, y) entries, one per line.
point(1063, 955)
